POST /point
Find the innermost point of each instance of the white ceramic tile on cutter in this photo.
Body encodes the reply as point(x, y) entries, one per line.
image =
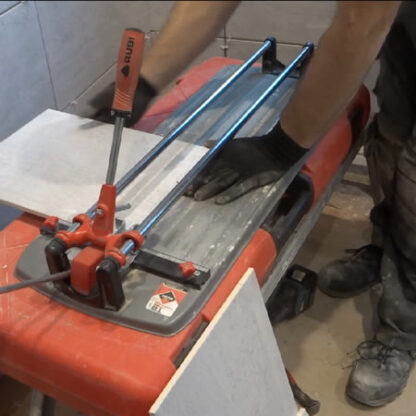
point(55, 165)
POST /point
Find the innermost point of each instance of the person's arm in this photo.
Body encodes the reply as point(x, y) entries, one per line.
point(191, 27)
point(344, 55)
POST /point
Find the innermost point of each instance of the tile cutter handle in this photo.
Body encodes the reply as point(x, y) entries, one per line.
point(127, 76)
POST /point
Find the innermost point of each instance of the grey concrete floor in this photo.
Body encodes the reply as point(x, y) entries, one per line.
point(318, 345)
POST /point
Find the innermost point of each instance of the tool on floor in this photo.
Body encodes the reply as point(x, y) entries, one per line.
point(310, 405)
point(294, 294)
point(161, 292)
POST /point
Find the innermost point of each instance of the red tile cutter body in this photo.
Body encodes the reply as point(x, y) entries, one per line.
point(93, 341)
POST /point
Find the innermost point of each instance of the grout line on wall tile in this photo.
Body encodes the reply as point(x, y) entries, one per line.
point(224, 47)
point(46, 56)
point(224, 42)
point(100, 76)
point(262, 40)
point(90, 86)
point(13, 6)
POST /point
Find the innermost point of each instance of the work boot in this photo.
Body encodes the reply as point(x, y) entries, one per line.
point(380, 374)
point(351, 275)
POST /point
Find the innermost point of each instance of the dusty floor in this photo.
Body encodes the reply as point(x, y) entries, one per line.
point(316, 345)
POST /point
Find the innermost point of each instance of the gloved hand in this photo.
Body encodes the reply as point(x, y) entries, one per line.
point(102, 102)
point(246, 164)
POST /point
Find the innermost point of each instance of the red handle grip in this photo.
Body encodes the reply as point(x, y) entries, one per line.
point(128, 69)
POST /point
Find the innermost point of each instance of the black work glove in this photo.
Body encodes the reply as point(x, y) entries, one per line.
point(246, 164)
point(103, 100)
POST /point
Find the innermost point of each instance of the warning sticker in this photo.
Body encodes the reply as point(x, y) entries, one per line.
point(165, 300)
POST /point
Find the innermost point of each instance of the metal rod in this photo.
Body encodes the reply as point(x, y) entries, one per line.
point(115, 150)
point(141, 165)
point(176, 192)
point(33, 282)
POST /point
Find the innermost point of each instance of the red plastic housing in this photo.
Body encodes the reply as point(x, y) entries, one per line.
point(332, 149)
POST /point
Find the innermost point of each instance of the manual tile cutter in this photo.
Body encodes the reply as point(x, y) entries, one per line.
point(143, 344)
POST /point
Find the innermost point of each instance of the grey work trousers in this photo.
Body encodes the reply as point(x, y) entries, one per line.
point(391, 156)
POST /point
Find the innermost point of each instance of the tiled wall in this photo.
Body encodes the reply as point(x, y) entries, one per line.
point(291, 22)
point(52, 52)
point(58, 54)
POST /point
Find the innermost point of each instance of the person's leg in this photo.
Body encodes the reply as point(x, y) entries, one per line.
point(381, 373)
point(356, 272)
point(384, 141)
point(397, 307)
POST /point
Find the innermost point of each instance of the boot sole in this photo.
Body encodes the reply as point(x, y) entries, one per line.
point(377, 403)
point(344, 295)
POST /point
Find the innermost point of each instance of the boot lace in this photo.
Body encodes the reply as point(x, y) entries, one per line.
point(366, 350)
point(358, 250)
